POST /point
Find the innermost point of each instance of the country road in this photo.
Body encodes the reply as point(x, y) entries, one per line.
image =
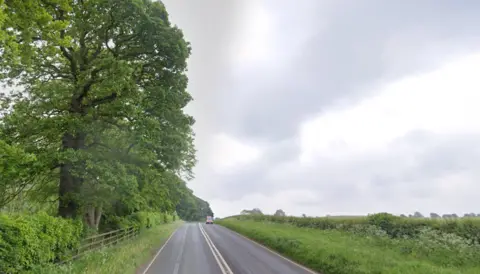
point(211, 249)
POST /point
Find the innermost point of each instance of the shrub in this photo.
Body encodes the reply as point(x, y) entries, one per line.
point(394, 226)
point(140, 219)
point(29, 240)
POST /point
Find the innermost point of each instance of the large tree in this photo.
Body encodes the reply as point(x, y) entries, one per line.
point(99, 98)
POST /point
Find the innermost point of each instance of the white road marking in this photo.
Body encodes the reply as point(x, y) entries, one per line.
point(158, 253)
point(216, 254)
point(271, 251)
point(179, 257)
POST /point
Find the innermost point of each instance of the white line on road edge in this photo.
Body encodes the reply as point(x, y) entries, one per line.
point(216, 254)
point(271, 251)
point(158, 253)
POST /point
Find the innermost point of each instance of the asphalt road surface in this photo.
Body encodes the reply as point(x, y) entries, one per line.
point(211, 249)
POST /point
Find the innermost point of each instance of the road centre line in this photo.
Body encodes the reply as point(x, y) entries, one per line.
point(216, 254)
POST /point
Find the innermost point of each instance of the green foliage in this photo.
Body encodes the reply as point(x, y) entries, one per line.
point(124, 257)
point(141, 219)
point(98, 98)
point(393, 226)
point(192, 208)
point(16, 168)
point(93, 124)
point(368, 250)
point(30, 240)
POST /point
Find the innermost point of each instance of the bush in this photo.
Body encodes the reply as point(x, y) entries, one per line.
point(140, 219)
point(393, 226)
point(30, 240)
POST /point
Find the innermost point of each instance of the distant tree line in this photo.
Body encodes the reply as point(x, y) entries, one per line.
point(434, 215)
point(192, 208)
point(280, 212)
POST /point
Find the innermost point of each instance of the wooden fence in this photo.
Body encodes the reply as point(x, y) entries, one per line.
point(99, 241)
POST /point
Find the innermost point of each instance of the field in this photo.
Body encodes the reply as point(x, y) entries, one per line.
point(379, 243)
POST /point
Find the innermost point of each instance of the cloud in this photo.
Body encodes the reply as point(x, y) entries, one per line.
point(229, 154)
point(334, 107)
point(393, 151)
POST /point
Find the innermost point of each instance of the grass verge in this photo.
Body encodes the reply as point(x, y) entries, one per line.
point(337, 252)
point(125, 257)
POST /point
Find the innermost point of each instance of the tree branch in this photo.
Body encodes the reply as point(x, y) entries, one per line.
point(89, 83)
point(65, 53)
point(95, 143)
point(103, 100)
point(130, 147)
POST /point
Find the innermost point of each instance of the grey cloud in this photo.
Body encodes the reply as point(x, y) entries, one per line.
point(408, 170)
point(328, 51)
point(253, 177)
point(343, 59)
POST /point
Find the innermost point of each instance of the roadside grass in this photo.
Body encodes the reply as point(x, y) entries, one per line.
point(126, 257)
point(339, 252)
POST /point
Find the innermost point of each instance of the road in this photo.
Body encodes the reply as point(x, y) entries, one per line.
point(211, 249)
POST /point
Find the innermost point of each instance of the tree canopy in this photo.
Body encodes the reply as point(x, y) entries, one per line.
point(94, 113)
point(192, 208)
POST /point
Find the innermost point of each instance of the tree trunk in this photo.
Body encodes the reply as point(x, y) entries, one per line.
point(70, 183)
point(93, 216)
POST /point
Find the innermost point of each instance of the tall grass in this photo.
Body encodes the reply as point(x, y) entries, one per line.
point(376, 244)
point(125, 257)
point(396, 227)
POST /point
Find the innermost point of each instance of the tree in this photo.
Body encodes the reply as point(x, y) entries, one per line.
point(255, 211)
point(434, 216)
point(101, 91)
point(403, 215)
point(417, 215)
point(16, 168)
point(279, 213)
point(192, 208)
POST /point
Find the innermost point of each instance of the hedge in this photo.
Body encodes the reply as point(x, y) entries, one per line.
point(394, 226)
point(31, 240)
point(140, 219)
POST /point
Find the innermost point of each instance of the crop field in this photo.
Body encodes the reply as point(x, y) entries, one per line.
point(379, 243)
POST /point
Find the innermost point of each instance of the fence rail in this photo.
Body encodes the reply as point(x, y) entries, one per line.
point(99, 241)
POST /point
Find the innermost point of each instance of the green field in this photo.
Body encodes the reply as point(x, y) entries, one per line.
point(359, 246)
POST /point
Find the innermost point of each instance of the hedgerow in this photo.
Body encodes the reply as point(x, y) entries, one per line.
point(393, 226)
point(31, 240)
point(364, 248)
point(140, 219)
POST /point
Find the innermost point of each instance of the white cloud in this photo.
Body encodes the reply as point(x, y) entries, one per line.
point(351, 161)
point(253, 42)
point(229, 154)
point(443, 101)
point(411, 144)
point(268, 203)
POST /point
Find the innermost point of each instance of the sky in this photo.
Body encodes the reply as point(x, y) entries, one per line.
point(340, 107)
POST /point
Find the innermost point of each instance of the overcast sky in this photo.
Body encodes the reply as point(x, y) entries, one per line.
point(335, 107)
